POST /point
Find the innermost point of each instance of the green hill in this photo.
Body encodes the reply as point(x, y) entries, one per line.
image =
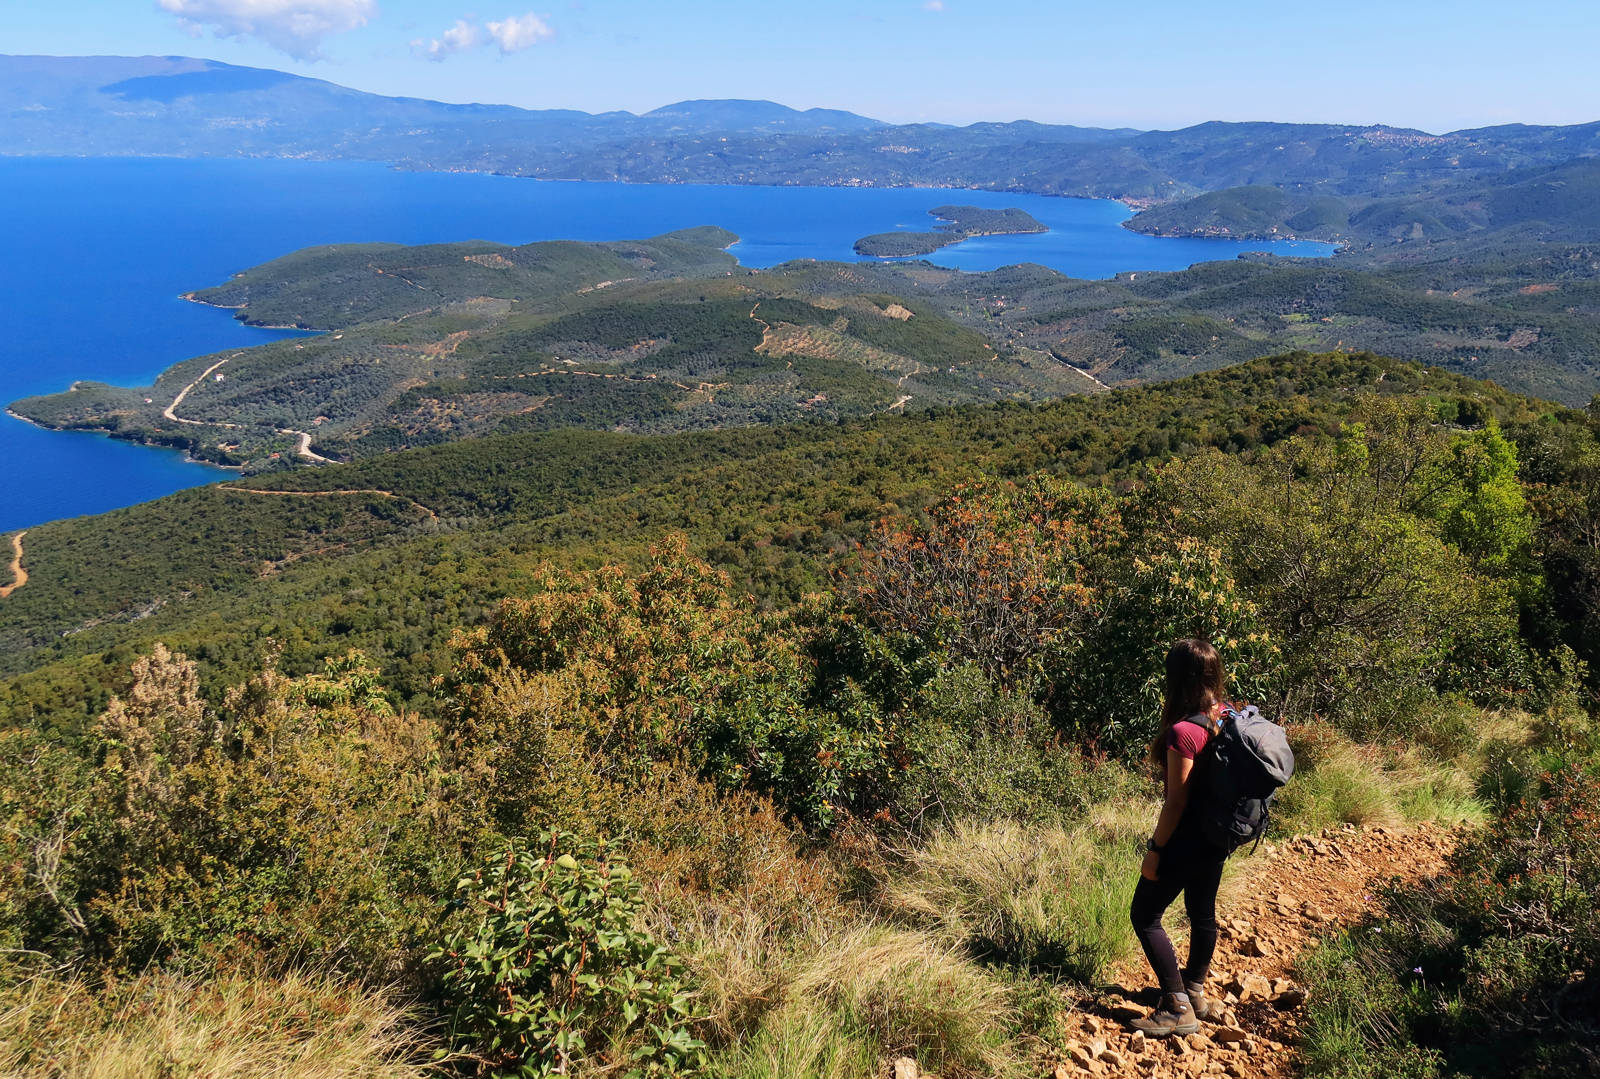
point(770, 706)
point(1558, 203)
point(957, 223)
point(428, 537)
point(431, 344)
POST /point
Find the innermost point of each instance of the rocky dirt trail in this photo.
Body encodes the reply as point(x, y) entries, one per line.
point(1280, 902)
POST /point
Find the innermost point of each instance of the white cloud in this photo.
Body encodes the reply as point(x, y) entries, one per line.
point(517, 32)
point(459, 38)
point(296, 27)
point(933, 5)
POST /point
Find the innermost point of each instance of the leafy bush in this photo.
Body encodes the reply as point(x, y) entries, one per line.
point(973, 751)
point(643, 655)
point(550, 974)
point(574, 695)
point(197, 834)
point(992, 576)
point(1108, 687)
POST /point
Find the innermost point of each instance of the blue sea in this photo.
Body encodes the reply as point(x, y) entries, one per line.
point(94, 253)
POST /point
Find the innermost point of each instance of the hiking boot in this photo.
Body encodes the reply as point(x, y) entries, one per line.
point(1172, 1016)
point(1208, 1008)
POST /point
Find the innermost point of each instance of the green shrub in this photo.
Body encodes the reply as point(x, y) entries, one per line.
point(1107, 688)
point(597, 679)
point(549, 972)
point(975, 752)
point(191, 834)
point(1340, 543)
point(1362, 1016)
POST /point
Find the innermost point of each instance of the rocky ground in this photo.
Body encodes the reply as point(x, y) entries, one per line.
point(1279, 902)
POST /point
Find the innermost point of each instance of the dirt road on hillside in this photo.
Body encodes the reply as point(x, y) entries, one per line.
point(19, 576)
point(1281, 902)
point(327, 494)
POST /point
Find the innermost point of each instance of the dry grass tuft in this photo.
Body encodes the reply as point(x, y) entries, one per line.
point(843, 1001)
point(168, 1027)
point(913, 996)
point(1049, 896)
point(1338, 781)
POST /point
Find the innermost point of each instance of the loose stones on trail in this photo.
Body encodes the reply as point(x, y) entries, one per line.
point(1297, 891)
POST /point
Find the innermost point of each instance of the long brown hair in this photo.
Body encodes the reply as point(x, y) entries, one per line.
point(1195, 682)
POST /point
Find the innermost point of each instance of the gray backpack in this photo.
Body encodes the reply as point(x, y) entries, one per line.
point(1244, 764)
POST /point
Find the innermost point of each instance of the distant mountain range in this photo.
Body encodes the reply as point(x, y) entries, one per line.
point(167, 104)
point(1266, 179)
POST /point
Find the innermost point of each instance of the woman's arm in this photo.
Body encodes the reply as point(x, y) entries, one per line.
point(1179, 769)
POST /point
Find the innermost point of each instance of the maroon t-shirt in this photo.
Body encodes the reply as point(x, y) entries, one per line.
point(1188, 739)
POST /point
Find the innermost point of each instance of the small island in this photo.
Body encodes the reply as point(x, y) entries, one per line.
point(956, 223)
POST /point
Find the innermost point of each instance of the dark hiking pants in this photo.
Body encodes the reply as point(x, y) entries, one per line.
point(1194, 867)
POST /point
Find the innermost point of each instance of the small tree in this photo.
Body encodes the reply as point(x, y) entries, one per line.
point(991, 576)
point(1337, 541)
point(1108, 689)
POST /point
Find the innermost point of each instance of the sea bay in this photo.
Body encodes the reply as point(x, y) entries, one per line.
point(97, 252)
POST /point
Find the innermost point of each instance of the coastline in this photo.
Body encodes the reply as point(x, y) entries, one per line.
point(1223, 234)
point(188, 457)
point(192, 297)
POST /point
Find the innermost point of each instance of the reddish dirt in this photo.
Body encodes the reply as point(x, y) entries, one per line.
point(1283, 901)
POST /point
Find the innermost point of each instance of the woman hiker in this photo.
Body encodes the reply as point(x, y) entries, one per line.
point(1178, 858)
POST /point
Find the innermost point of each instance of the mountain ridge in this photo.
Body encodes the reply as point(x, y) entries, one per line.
point(186, 106)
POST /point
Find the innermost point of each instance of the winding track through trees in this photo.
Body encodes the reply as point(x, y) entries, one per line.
point(19, 576)
point(302, 439)
point(328, 494)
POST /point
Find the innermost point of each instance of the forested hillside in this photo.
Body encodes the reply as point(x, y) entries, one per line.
point(768, 503)
point(432, 344)
point(444, 342)
point(1559, 203)
point(698, 728)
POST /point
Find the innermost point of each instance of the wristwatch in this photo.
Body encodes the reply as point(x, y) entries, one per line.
point(1150, 845)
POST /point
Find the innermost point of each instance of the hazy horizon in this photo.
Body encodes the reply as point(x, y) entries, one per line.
point(645, 109)
point(1428, 66)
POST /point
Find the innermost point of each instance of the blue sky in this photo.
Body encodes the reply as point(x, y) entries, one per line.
point(1158, 63)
